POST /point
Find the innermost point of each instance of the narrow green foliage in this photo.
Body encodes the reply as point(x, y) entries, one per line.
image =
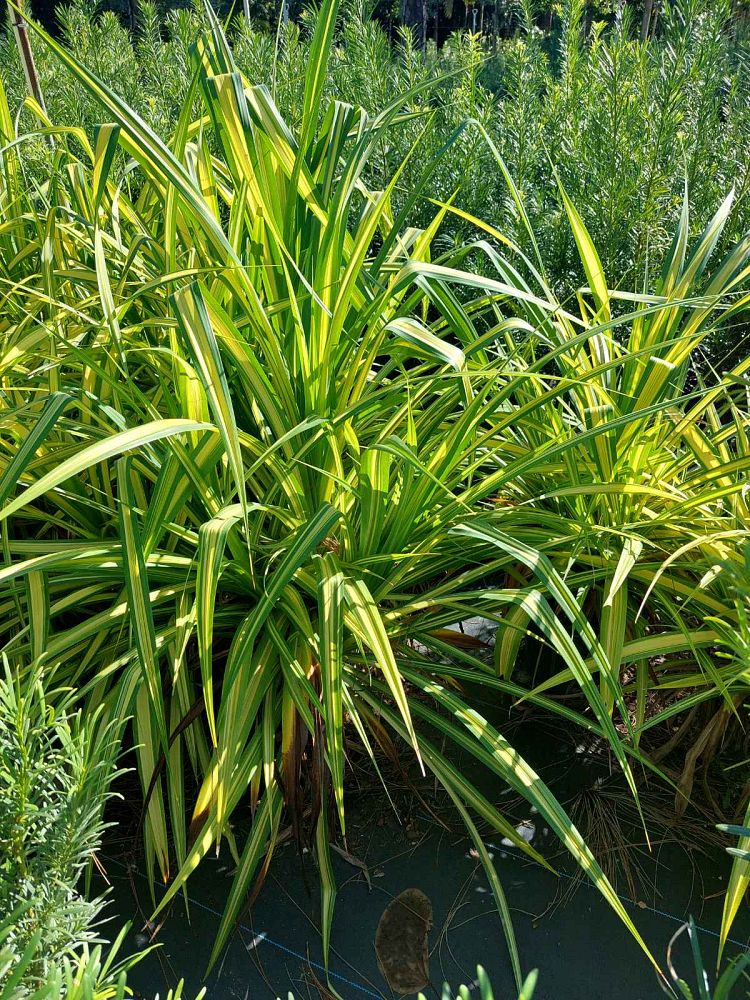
point(338, 435)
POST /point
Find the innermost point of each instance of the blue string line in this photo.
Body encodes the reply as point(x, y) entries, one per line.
point(624, 899)
point(265, 937)
point(364, 989)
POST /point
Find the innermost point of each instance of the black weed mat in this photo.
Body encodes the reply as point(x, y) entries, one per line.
point(579, 946)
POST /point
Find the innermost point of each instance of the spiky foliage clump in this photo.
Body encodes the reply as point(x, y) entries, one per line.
point(264, 441)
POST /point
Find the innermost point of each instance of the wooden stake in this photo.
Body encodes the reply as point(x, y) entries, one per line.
point(646, 22)
point(27, 56)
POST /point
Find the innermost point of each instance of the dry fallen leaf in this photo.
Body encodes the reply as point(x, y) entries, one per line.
point(401, 942)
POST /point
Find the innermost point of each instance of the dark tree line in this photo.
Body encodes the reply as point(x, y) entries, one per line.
point(426, 18)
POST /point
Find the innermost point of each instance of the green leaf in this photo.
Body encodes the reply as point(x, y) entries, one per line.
point(737, 886)
point(327, 880)
point(128, 440)
point(212, 538)
point(331, 592)
point(592, 265)
point(139, 603)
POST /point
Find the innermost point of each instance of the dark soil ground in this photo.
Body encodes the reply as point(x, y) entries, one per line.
point(563, 927)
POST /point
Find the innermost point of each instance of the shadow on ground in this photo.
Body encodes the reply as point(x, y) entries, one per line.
point(579, 946)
